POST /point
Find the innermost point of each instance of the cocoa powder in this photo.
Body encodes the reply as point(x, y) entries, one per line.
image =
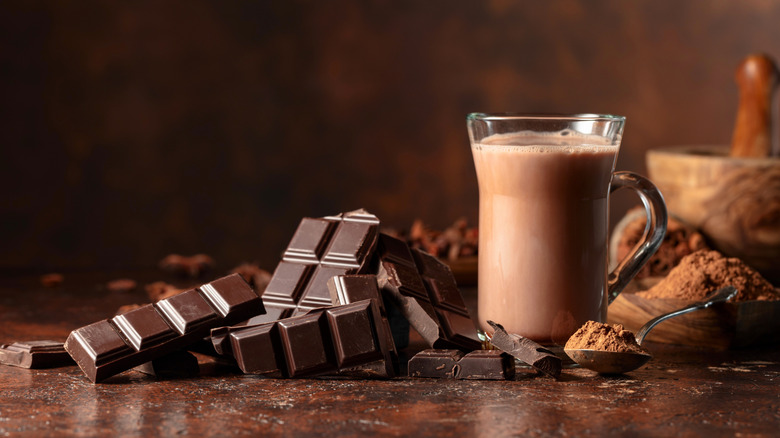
point(703, 272)
point(604, 337)
point(679, 241)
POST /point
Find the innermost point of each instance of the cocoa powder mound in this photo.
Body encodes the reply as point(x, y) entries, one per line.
point(703, 272)
point(604, 337)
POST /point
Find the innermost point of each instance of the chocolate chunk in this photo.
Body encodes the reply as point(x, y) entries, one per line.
point(526, 350)
point(452, 364)
point(442, 364)
point(487, 365)
point(176, 364)
point(320, 249)
point(345, 340)
point(425, 291)
point(35, 354)
point(347, 289)
point(111, 346)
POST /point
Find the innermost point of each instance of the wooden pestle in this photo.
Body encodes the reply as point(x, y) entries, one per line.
point(757, 78)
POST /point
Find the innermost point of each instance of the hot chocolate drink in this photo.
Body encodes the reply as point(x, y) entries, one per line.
point(543, 231)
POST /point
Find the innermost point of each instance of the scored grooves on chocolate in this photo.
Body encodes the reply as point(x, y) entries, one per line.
point(110, 346)
point(349, 338)
point(320, 249)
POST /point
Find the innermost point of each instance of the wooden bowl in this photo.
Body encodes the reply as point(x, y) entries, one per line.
point(734, 202)
point(730, 325)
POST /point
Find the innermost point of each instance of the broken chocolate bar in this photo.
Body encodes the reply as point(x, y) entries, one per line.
point(452, 364)
point(425, 291)
point(35, 354)
point(526, 350)
point(347, 340)
point(320, 249)
point(111, 346)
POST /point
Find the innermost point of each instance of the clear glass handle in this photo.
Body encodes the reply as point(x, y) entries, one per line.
point(655, 229)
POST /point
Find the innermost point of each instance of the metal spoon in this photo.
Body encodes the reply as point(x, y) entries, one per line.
point(611, 362)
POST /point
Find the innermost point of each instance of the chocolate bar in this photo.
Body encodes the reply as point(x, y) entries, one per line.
point(425, 291)
point(528, 351)
point(108, 347)
point(349, 340)
point(452, 364)
point(319, 249)
point(35, 354)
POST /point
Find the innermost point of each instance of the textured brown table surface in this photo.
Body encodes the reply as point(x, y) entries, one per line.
point(681, 392)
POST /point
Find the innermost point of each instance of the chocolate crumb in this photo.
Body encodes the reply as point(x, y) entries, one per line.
point(121, 285)
point(192, 266)
point(160, 290)
point(257, 277)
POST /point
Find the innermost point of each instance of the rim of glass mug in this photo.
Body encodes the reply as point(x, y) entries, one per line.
point(607, 126)
point(553, 116)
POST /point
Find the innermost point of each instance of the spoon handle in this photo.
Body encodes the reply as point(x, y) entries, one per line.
point(719, 296)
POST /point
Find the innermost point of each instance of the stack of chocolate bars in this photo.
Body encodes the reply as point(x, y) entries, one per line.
point(331, 308)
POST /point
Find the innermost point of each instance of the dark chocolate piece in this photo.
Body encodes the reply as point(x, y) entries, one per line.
point(35, 354)
point(442, 364)
point(176, 364)
point(487, 365)
point(347, 340)
point(111, 346)
point(425, 291)
point(528, 351)
point(452, 364)
point(320, 249)
point(347, 289)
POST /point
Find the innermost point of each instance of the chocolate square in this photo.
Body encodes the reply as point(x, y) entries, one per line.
point(186, 311)
point(306, 348)
point(352, 325)
point(143, 327)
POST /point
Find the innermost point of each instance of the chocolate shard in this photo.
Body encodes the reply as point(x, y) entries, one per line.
point(425, 291)
point(340, 340)
point(176, 364)
point(320, 249)
point(528, 351)
point(452, 364)
point(35, 354)
point(110, 346)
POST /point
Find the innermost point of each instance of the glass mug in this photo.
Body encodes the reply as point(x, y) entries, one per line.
point(544, 185)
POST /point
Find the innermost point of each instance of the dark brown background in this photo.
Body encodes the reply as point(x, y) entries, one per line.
point(131, 131)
